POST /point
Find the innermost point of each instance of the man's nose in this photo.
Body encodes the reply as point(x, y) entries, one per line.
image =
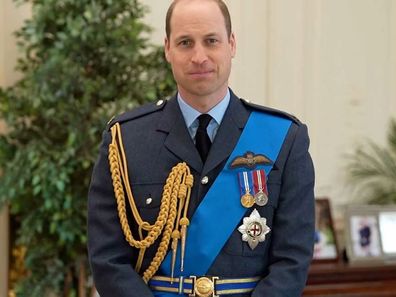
point(199, 56)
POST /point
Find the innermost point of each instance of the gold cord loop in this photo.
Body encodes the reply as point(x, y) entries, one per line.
point(174, 203)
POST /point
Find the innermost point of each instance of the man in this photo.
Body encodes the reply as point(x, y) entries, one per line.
point(246, 226)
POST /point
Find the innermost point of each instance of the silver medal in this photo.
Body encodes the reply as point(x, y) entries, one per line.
point(261, 198)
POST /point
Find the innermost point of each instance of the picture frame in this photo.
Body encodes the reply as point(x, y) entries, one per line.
point(369, 234)
point(326, 247)
point(387, 227)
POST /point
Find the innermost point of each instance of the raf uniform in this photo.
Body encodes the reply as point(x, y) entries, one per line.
point(155, 138)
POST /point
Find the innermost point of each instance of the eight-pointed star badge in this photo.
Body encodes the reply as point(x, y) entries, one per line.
point(254, 229)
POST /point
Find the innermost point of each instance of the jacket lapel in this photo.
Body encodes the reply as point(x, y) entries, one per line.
point(178, 140)
point(227, 137)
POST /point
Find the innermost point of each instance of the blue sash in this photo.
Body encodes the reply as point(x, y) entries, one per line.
point(263, 134)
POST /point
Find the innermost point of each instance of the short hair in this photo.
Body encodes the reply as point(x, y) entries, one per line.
point(223, 8)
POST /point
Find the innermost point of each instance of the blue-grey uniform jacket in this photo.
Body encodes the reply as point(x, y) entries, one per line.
point(155, 139)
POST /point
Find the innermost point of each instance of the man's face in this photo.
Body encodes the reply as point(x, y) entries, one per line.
point(199, 50)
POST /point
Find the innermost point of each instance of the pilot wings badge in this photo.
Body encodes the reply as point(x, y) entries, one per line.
point(250, 160)
point(254, 229)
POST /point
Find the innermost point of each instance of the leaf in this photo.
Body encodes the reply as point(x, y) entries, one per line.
point(60, 185)
point(36, 180)
point(36, 190)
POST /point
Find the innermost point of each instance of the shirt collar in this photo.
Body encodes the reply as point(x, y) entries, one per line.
point(217, 112)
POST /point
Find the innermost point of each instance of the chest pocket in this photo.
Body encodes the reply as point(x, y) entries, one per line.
point(147, 197)
point(235, 245)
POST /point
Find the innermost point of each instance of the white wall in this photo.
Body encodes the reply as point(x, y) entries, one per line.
point(333, 64)
point(11, 18)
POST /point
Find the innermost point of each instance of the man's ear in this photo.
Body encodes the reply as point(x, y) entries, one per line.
point(166, 48)
point(233, 44)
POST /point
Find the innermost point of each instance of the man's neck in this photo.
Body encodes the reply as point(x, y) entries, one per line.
point(203, 103)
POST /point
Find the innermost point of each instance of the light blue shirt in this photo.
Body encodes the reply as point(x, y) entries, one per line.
point(191, 115)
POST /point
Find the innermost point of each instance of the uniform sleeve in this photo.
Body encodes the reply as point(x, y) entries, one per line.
point(109, 254)
point(293, 226)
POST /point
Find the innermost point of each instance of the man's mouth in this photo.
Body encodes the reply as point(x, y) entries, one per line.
point(201, 73)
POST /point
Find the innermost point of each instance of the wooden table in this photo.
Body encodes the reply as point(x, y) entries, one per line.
point(341, 279)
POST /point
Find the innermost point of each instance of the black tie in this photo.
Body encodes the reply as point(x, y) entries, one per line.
point(202, 140)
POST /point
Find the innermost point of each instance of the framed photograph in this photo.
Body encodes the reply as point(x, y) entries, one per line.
point(387, 227)
point(363, 234)
point(326, 247)
point(370, 233)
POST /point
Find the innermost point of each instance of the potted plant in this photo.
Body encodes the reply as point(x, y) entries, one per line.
point(372, 169)
point(83, 61)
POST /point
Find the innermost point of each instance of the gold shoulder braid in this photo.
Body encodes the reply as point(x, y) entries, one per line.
point(172, 219)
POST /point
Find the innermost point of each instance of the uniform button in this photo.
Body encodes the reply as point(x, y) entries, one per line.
point(149, 200)
point(159, 102)
point(204, 180)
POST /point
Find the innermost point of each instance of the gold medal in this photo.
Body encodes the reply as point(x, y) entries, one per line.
point(247, 200)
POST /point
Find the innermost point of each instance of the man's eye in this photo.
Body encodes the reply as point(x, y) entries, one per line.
point(185, 43)
point(212, 41)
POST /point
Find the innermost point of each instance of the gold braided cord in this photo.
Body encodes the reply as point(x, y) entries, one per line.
point(164, 244)
point(177, 187)
point(124, 171)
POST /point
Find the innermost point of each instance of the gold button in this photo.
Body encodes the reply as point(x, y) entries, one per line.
point(204, 180)
point(204, 287)
point(160, 102)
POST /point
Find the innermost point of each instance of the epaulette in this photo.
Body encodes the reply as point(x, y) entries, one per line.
point(271, 111)
point(137, 112)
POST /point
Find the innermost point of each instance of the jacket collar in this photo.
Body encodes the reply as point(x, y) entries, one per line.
point(180, 143)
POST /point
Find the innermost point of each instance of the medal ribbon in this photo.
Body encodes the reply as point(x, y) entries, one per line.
point(245, 180)
point(259, 181)
point(209, 230)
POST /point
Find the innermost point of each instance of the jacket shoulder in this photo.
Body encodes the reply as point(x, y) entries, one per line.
point(137, 112)
point(270, 110)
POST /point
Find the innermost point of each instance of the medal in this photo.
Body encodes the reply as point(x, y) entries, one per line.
point(247, 199)
point(261, 198)
point(254, 229)
point(253, 186)
point(260, 185)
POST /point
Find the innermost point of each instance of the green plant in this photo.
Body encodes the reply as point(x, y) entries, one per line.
point(83, 61)
point(373, 170)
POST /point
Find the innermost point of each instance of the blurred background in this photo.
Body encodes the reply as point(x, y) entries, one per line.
point(331, 63)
